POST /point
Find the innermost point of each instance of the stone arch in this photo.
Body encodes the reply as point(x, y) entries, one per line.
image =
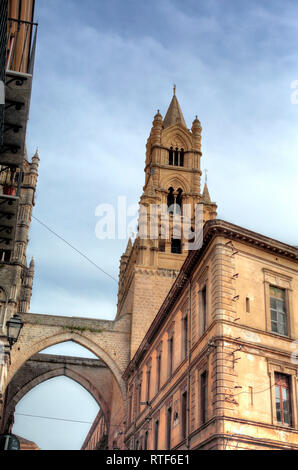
point(19, 358)
point(176, 137)
point(176, 182)
point(61, 371)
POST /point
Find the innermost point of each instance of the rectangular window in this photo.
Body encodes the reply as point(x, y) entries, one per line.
point(156, 432)
point(278, 311)
point(247, 305)
point(130, 408)
point(202, 310)
point(170, 356)
point(148, 384)
point(185, 337)
point(204, 307)
point(282, 399)
point(139, 397)
point(204, 397)
point(169, 428)
point(158, 371)
point(184, 414)
point(176, 246)
point(146, 441)
point(162, 246)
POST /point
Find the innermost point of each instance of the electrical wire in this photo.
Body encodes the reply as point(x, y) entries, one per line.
point(63, 419)
point(107, 274)
point(74, 248)
point(56, 419)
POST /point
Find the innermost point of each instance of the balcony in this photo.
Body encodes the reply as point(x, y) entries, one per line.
point(18, 82)
point(8, 215)
point(20, 54)
point(21, 46)
point(10, 188)
point(16, 114)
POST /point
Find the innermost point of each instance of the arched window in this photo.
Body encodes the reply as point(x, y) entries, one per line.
point(191, 235)
point(182, 157)
point(176, 157)
point(171, 201)
point(179, 202)
point(5, 256)
point(171, 156)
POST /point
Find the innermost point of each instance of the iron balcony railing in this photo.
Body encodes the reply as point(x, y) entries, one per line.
point(21, 46)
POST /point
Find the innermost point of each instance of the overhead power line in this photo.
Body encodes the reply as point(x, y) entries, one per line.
point(64, 419)
point(73, 247)
point(56, 419)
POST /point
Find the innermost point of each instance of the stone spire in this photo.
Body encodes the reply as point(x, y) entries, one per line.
point(129, 247)
point(206, 196)
point(36, 155)
point(174, 114)
point(32, 266)
point(35, 163)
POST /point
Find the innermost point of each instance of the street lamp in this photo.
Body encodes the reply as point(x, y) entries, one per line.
point(14, 326)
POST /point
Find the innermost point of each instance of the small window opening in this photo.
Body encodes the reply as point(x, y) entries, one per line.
point(179, 202)
point(162, 246)
point(176, 157)
point(176, 246)
point(171, 156)
point(171, 201)
point(181, 157)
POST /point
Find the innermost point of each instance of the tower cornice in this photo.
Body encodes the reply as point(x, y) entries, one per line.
point(192, 150)
point(174, 168)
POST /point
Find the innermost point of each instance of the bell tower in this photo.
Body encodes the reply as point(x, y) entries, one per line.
point(171, 193)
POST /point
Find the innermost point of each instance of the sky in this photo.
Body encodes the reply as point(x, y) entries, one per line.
point(102, 70)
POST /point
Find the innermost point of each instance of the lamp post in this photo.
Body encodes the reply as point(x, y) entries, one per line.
point(14, 326)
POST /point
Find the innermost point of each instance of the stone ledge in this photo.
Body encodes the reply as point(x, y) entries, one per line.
point(121, 325)
point(69, 360)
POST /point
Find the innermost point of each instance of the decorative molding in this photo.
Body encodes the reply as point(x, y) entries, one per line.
point(276, 278)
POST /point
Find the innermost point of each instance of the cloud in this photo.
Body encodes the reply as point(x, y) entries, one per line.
point(96, 88)
point(102, 70)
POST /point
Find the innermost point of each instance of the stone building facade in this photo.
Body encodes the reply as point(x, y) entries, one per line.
point(213, 355)
point(18, 176)
point(202, 353)
point(217, 368)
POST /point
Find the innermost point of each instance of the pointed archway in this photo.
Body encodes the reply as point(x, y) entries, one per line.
point(91, 374)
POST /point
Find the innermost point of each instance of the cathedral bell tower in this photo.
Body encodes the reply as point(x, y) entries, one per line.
point(172, 190)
